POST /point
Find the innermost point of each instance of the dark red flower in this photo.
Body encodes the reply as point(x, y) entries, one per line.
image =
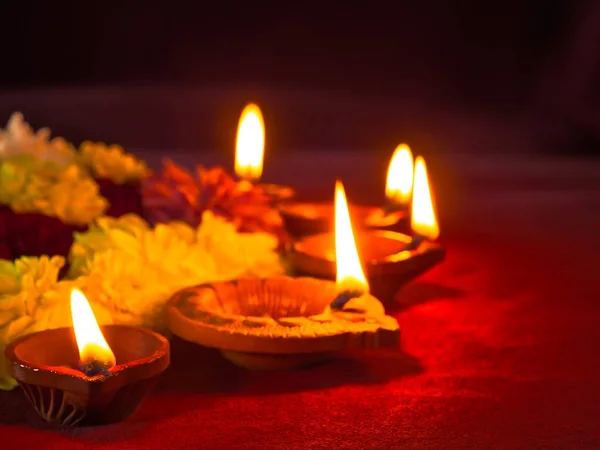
point(122, 198)
point(34, 234)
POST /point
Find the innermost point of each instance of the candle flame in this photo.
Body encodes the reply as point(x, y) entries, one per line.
point(90, 341)
point(399, 182)
point(423, 219)
point(250, 144)
point(350, 275)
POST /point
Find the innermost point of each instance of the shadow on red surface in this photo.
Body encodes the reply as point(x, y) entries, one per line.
point(199, 370)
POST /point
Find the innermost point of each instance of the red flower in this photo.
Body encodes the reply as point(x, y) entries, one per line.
point(123, 198)
point(5, 252)
point(176, 194)
point(34, 234)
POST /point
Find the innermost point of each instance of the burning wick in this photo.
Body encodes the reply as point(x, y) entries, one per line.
point(423, 221)
point(250, 145)
point(399, 183)
point(95, 367)
point(350, 278)
point(95, 355)
point(343, 298)
point(415, 243)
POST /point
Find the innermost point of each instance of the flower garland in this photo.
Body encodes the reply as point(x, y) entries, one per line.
point(127, 266)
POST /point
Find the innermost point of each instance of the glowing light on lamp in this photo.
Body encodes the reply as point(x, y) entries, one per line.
point(423, 219)
point(350, 275)
point(93, 348)
point(250, 144)
point(399, 183)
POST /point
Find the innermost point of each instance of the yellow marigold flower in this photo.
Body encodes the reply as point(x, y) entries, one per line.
point(29, 184)
point(131, 293)
point(9, 278)
point(236, 252)
point(24, 305)
point(134, 268)
point(97, 238)
point(19, 138)
point(111, 162)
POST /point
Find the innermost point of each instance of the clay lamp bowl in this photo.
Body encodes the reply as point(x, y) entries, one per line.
point(390, 259)
point(306, 218)
point(279, 323)
point(46, 365)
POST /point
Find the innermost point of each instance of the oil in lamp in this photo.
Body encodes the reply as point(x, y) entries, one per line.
point(391, 259)
point(87, 374)
point(250, 153)
point(285, 322)
point(306, 218)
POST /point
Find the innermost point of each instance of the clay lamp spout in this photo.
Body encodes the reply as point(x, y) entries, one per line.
point(250, 154)
point(87, 375)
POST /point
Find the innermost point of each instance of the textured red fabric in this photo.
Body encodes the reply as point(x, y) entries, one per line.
point(499, 350)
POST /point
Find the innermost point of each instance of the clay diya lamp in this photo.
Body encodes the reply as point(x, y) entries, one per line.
point(391, 259)
point(278, 323)
point(306, 218)
point(250, 151)
point(86, 375)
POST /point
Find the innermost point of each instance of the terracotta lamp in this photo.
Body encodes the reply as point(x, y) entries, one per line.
point(306, 218)
point(250, 152)
point(279, 323)
point(284, 322)
point(391, 259)
point(87, 375)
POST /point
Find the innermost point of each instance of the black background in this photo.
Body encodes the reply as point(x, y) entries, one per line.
point(491, 56)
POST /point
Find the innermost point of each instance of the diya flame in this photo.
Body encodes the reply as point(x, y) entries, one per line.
point(399, 183)
point(250, 144)
point(423, 220)
point(350, 276)
point(91, 343)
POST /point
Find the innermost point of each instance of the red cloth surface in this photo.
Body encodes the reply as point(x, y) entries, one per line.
point(499, 350)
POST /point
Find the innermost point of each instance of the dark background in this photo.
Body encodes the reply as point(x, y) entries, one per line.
point(338, 75)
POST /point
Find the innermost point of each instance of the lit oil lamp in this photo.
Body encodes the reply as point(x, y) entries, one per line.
point(86, 375)
point(284, 322)
point(391, 259)
point(305, 218)
point(250, 153)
